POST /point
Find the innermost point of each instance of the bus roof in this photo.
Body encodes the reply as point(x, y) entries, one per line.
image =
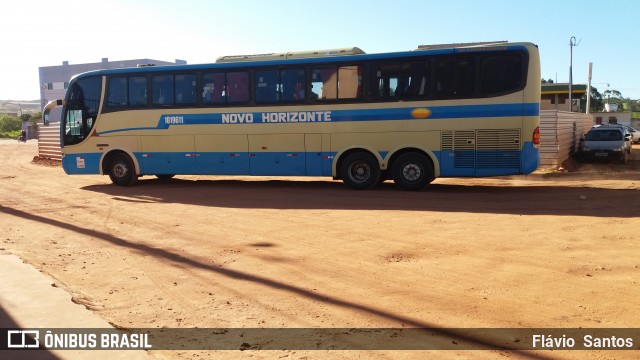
point(316, 57)
point(291, 55)
point(461, 45)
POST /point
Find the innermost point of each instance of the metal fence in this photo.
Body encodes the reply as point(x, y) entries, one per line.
point(49, 141)
point(560, 133)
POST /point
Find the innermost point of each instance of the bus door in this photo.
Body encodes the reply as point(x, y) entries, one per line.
point(277, 154)
point(173, 154)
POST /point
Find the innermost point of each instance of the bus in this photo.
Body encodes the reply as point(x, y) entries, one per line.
point(460, 110)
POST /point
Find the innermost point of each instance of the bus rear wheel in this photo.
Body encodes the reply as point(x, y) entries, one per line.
point(412, 171)
point(121, 170)
point(360, 171)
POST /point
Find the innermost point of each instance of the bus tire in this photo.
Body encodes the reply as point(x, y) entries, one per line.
point(412, 171)
point(121, 170)
point(360, 170)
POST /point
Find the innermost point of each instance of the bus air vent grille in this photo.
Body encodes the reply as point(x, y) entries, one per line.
point(462, 144)
point(496, 140)
point(458, 140)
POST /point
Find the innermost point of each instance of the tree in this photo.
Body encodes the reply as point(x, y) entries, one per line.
point(550, 81)
point(596, 104)
point(614, 97)
point(612, 94)
point(10, 126)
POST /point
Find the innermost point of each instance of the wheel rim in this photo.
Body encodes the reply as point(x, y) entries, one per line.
point(412, 172)
point(120, 170)
point(359, 171)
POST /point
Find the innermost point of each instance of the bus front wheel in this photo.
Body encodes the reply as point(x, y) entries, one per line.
point(412, 171)
point(121, 170)
point(360, 171)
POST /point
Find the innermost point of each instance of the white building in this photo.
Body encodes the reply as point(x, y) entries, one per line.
point(611, 115)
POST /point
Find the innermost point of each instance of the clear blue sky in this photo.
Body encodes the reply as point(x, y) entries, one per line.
point(39, 33)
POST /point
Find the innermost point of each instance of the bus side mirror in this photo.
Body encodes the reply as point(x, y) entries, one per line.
point(47, 109)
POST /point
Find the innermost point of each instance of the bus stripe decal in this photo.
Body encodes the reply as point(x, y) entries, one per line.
point(436, 112)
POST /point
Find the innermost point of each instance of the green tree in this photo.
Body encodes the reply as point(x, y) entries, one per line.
point(613, 97)
point(615, 94)
point(10, 126)
point(596, 100)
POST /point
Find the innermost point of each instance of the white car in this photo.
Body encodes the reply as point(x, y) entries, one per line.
point(635, 134)
point(611, 142)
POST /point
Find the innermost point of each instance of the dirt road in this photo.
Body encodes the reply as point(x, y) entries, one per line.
point(556, 250)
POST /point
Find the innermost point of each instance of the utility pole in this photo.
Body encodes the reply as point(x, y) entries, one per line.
point(572, 43)
point(589, 87)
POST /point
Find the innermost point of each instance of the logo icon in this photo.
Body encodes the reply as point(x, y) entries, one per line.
point(421, 113)
point(20, 339)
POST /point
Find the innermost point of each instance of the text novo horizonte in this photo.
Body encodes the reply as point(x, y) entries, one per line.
point(277, 117)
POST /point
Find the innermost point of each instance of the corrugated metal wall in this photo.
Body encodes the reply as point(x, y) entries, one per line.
point(49, 141)
point(560, 133)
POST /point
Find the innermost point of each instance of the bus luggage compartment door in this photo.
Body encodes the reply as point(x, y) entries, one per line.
point(277, 154)
point(173, 154)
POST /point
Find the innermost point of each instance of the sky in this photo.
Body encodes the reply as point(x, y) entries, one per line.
point(37, 33)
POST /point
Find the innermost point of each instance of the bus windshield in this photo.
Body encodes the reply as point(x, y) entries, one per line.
point(81, 109)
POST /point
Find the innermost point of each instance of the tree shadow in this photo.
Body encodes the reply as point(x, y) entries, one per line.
point(181, 260)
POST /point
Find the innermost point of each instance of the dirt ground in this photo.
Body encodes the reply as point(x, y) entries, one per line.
point(552, 249)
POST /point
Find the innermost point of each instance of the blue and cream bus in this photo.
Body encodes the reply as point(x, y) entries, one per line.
point(465, 110)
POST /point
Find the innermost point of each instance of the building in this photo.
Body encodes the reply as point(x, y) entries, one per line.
point(611, 115)
point(54, 80)
point(556, 96)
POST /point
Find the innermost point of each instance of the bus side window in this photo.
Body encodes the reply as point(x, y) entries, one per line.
point(237, 87)
point(118, 94)
point(500, 74)
point(267, 87)
point(185, 89)
point(455, 77)
point(292, 84)
point(349, 82)
point(417, 80)
point(213, 88)
point(324, 83)
point(384, 82)
point(162, 89)
point(137, 91)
